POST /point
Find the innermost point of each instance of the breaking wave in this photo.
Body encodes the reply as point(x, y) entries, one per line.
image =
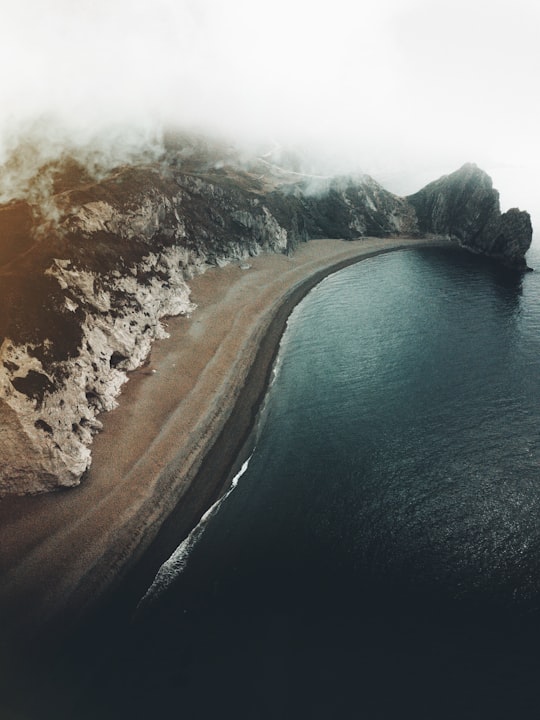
point(178, 561)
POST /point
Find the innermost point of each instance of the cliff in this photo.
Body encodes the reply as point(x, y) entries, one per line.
point(464, 207)
point(87, 273)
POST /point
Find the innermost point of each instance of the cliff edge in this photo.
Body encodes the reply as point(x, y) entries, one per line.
point(87, 273)
point(464, 207)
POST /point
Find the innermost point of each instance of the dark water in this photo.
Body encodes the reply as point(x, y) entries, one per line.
point(380, 558)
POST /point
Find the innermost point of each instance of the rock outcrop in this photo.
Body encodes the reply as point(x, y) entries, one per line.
point(464, 207)
point(83, 287)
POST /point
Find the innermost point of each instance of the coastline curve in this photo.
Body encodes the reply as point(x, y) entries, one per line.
point(235, 443)
point(96, 547)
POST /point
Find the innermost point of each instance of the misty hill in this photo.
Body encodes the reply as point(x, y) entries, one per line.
point(90, 262)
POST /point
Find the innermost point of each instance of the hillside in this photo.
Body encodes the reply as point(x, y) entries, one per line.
point(89, 266)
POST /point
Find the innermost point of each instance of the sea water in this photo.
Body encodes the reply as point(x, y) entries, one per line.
point(380, 556)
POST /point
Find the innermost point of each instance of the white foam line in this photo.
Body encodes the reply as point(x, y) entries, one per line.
point(177, 562)
point(276, 368)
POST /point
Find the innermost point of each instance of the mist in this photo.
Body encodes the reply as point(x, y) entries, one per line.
point(404, 90)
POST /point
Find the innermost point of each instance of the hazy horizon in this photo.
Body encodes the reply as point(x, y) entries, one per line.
point(403, 90)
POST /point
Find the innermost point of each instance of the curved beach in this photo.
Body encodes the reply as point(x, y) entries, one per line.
point(168, 448)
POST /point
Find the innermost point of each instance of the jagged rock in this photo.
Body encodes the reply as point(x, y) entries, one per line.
point(509, 238)
point(83, 286)
point(464, 207)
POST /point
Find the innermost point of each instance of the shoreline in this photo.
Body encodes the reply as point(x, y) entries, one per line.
point(140, 500)
point(234, 444)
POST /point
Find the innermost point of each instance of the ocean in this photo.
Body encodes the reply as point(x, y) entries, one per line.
point(379, 555)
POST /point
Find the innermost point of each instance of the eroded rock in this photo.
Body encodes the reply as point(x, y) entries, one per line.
point(465, 207)
point(81, 297)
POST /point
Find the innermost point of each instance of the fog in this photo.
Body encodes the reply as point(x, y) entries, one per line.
point(404, 90)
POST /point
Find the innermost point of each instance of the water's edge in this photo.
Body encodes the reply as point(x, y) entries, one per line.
point(223, 460)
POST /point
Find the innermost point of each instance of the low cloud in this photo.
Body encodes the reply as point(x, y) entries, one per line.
point(402, 89)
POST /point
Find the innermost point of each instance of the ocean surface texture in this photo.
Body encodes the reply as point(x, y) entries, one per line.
point(380, 556)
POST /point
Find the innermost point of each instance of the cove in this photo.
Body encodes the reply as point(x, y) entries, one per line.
point(380, 556)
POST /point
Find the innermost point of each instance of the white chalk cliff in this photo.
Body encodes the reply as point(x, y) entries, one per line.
point(83, 290)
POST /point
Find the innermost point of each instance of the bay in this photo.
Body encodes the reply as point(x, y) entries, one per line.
point(380, 556)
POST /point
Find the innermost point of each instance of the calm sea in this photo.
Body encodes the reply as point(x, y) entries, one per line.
point(380, 556)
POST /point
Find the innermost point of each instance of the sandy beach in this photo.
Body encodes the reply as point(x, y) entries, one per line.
point(180, 424)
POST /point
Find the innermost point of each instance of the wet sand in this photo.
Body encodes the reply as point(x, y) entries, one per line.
point(166, 451)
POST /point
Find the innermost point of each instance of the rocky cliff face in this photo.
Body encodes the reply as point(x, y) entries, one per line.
point(464, 207)
point(86, 276)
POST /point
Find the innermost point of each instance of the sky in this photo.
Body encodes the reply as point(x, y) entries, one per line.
point(405, 90)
